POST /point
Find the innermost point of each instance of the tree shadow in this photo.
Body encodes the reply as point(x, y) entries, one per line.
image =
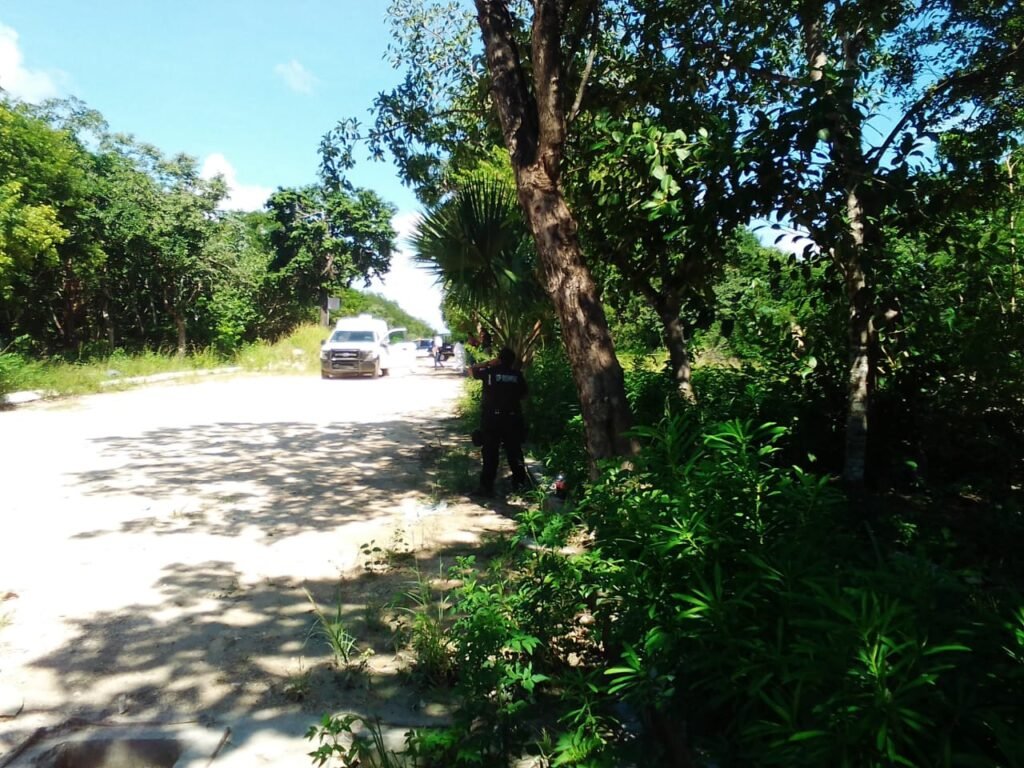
point(219, 652)
point(284, 478)
point(220, 641)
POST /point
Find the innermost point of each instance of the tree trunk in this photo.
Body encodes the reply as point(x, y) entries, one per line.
point(862, 335)
point(863, 238)
point(588, 342)
point(179, 324)
point(669, 310)
point(108, 326)
point(860, 238)
point(1013, 235)
point(534, 132)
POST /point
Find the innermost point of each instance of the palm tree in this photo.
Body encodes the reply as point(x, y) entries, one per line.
point(477, 246)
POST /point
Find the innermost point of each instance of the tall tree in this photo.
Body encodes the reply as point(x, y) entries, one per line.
point(648, 207)
point(439, 120)
point(158, 217)
point(47, 248)
point(838, 113)
point(240, 307)
point(531, 108)
point(663, 204)
point(939, 65)
point(328, 237)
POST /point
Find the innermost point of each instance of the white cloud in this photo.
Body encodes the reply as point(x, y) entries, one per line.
point(408, 284)
point(25, 84)
point(241, 197)
point(296, 76)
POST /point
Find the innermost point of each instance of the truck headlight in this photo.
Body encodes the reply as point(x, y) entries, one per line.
point(323, 354)
point(368, 354)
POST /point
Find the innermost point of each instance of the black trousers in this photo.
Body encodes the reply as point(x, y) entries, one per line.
point(502, 430)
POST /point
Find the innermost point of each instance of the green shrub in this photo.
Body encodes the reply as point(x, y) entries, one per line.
point(352, 741)
point(11, 367)
point(719, 589)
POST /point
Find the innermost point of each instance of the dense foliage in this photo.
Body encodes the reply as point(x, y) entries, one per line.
point(107, 244)
point(720, 598)
point(715, 604)
point(725, 599)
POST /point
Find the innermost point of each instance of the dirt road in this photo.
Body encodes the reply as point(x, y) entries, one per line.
point(156, 546)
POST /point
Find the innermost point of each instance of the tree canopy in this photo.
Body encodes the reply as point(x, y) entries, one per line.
point(665, 127)
point(107, 243)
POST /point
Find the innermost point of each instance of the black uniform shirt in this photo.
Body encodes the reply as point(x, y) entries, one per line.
point(504, 388)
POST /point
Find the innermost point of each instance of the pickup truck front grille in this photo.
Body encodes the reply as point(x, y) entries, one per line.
point(344, 354)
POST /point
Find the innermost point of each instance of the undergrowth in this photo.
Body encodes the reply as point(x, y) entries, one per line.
point(723, 612)
point(723, 606)
point(81, 374)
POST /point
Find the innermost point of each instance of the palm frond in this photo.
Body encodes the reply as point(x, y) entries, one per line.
point(477, 246)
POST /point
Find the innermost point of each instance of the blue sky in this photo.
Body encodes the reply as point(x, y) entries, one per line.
point(246, 86)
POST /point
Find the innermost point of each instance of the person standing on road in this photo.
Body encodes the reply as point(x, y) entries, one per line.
point(436, 351)
point(501, 419)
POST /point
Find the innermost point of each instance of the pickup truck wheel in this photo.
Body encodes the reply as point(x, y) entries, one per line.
point(324, 375)
point(376, 368)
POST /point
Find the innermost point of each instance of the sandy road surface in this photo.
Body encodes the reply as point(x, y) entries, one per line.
point(155, 546)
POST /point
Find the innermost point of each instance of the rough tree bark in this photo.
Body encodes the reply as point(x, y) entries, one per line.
point(180, 328)
point(862, 236)
point(534, 128)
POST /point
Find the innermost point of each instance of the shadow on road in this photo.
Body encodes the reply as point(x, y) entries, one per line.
point(222, 634)
point(284, 478)
point(219, 653)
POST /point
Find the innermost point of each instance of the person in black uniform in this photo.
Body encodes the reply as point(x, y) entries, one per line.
point(501, 418)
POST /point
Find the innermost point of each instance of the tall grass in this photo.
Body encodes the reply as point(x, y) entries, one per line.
point(331, 629)
point(296, 353)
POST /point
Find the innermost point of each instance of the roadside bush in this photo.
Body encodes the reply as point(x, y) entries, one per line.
point(796, 398)
point(792, 398)
point(11, 367)
point(554, 419)
point(719, 613)
point(649, 389)
point(552, 400)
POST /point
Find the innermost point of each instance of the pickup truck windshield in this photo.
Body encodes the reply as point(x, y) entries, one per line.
point(352, 336)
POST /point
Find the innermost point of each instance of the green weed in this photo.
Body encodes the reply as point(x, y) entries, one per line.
point(427, 634)
point(353, 740)
point(379, 560)
point(373, 615)
point(297, 686)
point(298, 352)
point(68, 377)
point(716, 573)
point(332, 631)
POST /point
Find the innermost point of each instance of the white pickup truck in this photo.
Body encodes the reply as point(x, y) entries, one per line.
point(357, 346)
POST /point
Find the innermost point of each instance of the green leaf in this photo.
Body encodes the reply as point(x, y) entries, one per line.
point(807, 735)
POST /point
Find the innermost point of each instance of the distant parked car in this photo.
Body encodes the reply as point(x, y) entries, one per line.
point(423, 347)
point(360, 346)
